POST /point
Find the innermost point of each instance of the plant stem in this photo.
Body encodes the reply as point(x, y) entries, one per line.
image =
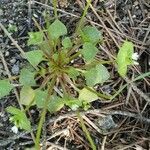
point(98, 94)
point(28, 106)
point(55, 8)
point(42, 31)
point(83, 15)
point(74, 56)
point(86, 131)
point(50, 90)
point(94, 63)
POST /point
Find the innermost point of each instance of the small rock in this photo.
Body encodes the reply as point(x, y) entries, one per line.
point(136, 3)
point(11, 21)
point(15, 68)
point(1, 12)
point(107, 123)
point(32, 111)
point(139, 12)
point(14, 129)
point(13, 60)
point(134, 16)
point(2, 114)
point(6, 53)
point(35, 15)
point(137, 7)
point(107, 89)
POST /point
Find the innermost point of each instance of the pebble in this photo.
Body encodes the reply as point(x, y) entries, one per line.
point(137, 7)
point(13, 60)
point(107, 89)
point(4, 20)
point(1, 12)
point(32, 111)
point(6, 53)
point(14, 129)
point(15, 68)
point(106, 123)
point(35, 15)
point(136, 3)
point(2, 114)
point(11, 21)
point(134, 16)
point(139, 12)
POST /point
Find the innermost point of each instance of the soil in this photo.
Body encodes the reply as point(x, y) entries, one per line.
point(118, 20)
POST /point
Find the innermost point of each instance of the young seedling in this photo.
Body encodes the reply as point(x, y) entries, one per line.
point(51, 64)
point(126, 57)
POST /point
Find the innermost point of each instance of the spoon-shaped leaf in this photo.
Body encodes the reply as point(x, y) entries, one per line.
point(5, 88)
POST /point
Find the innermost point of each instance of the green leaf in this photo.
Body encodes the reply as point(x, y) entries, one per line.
point(46, 46)
point(91, 35)
point(60, 56)
point(19, 118)
point(87, 95)
point(89, 51)
point(66, 42)
point(13, 110)
point(35, 38)
point(27, 95)
point(98, 74)
point(27, 77)
point(73, 103)
point(57, 29)
point(5, 88)
point(55, 56)
point(40, 97)
point(124, 57)
point(55, 104)
point(73, 73)
point(34, 57)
